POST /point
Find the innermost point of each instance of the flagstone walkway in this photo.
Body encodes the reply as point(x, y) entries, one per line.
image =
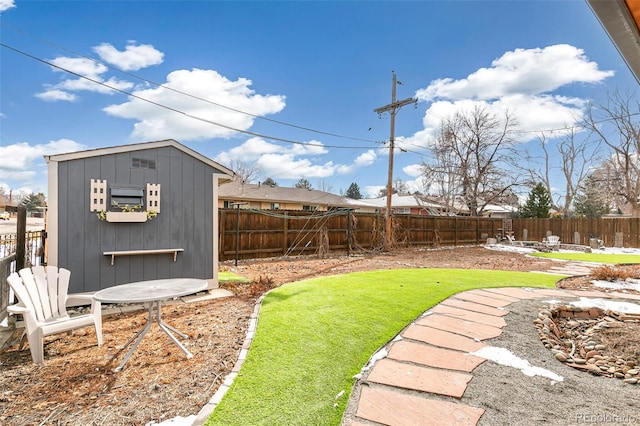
point(428, 366)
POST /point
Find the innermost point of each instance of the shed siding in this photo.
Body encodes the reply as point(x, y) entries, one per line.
point(185, 220)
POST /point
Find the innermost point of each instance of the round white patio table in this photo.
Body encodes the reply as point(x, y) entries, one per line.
point(151, 293)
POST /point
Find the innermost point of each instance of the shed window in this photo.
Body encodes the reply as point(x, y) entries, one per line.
point(127, 196)
point(143, 163)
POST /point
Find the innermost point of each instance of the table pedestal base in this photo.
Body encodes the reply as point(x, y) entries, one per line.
point(140, 334)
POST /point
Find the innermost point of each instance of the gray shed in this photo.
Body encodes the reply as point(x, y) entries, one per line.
point(133, 212)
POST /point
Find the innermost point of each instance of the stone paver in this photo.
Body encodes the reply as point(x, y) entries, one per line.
point(475, 307)
point(441, 338)
point(483, 300)
point(516, 292)
point(433, 356)
point(469, 315)
point(424, 379)
point(399, 409)
point(494, 295)
point(552, 293)
point(459, 326)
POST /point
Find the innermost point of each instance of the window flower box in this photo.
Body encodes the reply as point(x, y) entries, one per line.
point(126, 216)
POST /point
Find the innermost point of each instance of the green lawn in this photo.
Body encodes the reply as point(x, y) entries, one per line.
point(610, 258)
point(313, 336)
point(230, 276)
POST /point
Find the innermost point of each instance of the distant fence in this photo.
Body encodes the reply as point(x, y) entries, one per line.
point(33, 250)
point(30, 248)
point(6, 265)
point(251, 234)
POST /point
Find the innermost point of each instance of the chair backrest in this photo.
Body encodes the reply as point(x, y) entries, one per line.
point(553, 239)
point(42, 290)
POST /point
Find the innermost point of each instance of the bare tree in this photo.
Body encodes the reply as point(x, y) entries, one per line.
point(471, 156)
point(324, 186)
point(615, 123)
point(574, 156)
point(439, 177)
point(246, 172)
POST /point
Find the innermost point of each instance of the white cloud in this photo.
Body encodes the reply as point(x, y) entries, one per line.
point(413, 170)
point(92, 72)
point(132, 58)
point(85, 67)
point(521, 71)
point(519, 82)
point(6, 5)
point(82, 66)
point(372, 191)
point(76, 85)
point(54, 95)
point(155, 122)
point(291, 162)
point(363, 160)
point(23, 156)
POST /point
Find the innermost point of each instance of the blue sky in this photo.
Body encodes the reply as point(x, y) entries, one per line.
point(317, 65)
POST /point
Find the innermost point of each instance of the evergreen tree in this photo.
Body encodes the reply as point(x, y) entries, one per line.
point(33, 201)
point(353, 192)
point(303, 183)
point(270, 182)
point(590, 202)
point(538, 203)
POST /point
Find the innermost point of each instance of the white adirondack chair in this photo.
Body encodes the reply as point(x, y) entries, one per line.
point(552, 242)
point(42, 301)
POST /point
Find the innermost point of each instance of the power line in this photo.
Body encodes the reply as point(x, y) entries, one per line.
point(188, 94)
point(177, 110)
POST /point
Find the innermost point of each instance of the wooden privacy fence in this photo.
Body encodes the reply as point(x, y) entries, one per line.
point(248, 234)
point(614, 232)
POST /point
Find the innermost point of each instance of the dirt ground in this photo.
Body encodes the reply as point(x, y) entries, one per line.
point(76, 384)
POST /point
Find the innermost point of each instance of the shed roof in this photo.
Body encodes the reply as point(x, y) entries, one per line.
point(76, 155)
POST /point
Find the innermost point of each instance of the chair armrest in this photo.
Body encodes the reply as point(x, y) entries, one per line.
point(84, 300)
point(79, 299)
point(16, 309)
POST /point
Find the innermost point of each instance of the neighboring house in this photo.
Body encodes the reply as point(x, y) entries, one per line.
point(173, 233)
point(421, 205)
point(266, 197)
point(408, 204)
point(499, 211)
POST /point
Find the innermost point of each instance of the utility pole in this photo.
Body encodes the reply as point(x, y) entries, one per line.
point(392, 108)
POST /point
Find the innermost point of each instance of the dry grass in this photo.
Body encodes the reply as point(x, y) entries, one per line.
point(615, 273)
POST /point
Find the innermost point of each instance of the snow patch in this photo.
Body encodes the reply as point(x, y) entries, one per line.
point(505, 357)
point(622, 307)
point(628, 284)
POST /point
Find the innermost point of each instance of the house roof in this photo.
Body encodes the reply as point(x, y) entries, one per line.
point(621, 20)
point(399, 200)
point(406, 201)
point(137, 147)
point(238, 191)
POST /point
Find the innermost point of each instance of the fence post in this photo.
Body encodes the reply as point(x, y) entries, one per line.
point(21, 238)
point(348, 232)
point(617, 242)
